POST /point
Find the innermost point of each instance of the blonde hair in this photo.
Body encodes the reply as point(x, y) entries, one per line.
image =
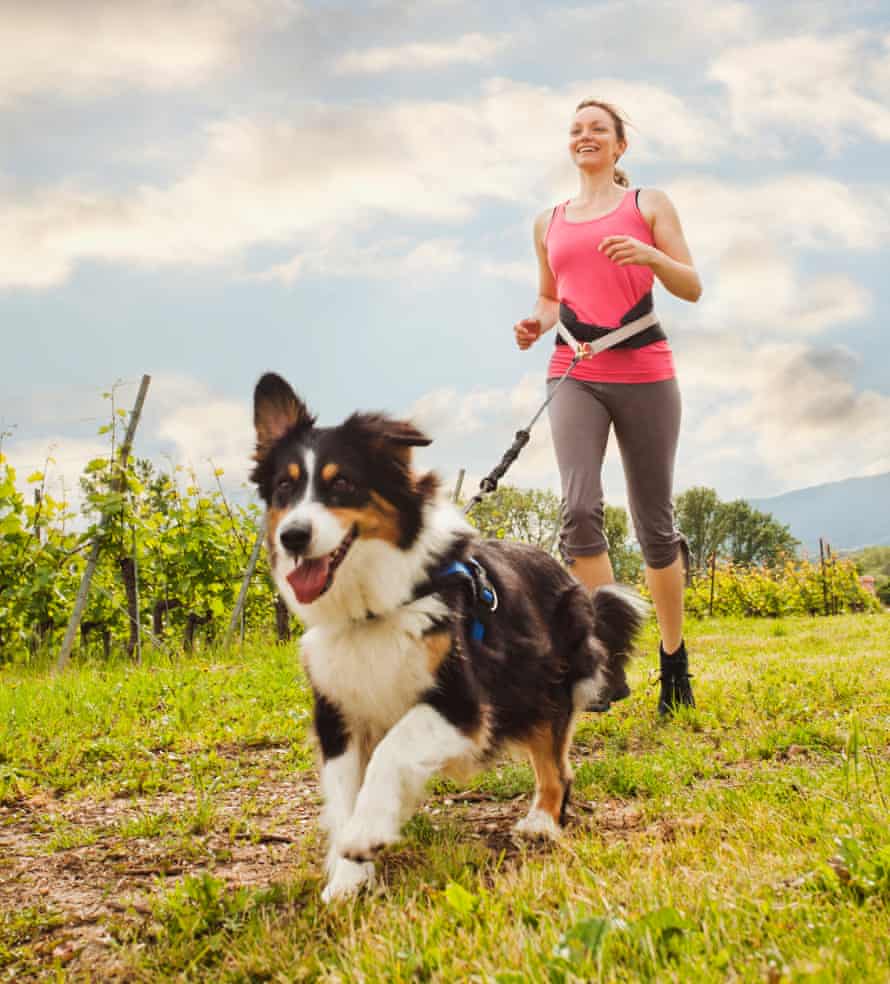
point(618, 119)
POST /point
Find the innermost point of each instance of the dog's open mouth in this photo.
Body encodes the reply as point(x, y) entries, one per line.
point(312, 577)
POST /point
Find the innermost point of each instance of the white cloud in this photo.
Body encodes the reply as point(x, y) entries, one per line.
point(830, 88)
point(420, 55)
point(448, 412)
point(758, 289)
point(810, 423)
point(94, 46)
point(271, 181)
point(879, 70)
point(771, 417)
point(384, 259)
point(801, 210)
point(60, 458)
point(520, 271)
point(667, 31)
point(200, 429)
point(185, 422)
point(748, 240)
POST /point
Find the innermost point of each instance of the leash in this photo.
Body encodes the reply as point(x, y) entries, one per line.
point(582, 350)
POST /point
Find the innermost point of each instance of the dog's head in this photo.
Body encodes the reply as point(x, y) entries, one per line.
point(327, 487)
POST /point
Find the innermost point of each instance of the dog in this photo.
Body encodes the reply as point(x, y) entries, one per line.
point(428, 649)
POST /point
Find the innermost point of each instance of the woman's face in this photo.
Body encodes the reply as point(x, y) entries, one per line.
point(593, 142)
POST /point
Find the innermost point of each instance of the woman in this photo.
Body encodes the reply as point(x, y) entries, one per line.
point(599, 254)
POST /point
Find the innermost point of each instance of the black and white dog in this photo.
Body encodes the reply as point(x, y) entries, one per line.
point(428, 648)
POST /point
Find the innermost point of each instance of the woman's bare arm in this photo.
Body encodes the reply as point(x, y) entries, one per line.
point(669, 259)
point(546, 312)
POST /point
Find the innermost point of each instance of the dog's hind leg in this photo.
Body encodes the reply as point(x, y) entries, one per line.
point(548, 748)
point(416, 747)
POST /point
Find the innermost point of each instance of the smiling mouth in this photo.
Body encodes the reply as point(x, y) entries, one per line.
point(313, 576)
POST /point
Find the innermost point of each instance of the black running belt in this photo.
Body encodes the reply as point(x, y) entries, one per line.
point(591, 333)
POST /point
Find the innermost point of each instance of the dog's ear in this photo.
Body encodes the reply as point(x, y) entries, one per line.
point(404, 434)
point(276, 410)
point(399, 436)
point(393, 437)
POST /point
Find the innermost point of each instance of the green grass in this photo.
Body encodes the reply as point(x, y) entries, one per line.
point(117, 730)
point(22, 931)
point(747, 840)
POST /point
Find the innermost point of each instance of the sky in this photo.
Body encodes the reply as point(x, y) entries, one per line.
point(344, 194)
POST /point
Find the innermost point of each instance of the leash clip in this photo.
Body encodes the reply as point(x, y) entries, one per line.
point(484, 593)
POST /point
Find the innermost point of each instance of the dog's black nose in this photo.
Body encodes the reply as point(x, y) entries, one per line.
point(295, 538)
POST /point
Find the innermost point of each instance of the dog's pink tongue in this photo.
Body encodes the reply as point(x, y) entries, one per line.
point(309, 578)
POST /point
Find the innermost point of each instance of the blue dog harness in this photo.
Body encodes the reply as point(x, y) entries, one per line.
point(483, 597)
point(472, 577)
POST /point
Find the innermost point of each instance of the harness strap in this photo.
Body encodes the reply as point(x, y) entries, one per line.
point(639, 327)
point(473, 578)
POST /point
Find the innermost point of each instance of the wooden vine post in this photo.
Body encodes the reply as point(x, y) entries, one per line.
point(713, 566)
point(824, 579)
point(116, 484)
point(245, 584)
point(455, 497)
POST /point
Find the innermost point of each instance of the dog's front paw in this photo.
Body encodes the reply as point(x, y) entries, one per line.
point(363, 837)
point(538, 825)
point(347, 878)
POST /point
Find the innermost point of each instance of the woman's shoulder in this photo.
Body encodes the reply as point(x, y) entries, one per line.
point(651, 194)
point(650, 201)
point(544, 218)
point(543, 221)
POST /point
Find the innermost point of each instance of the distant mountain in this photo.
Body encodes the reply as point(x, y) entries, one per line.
point(849, 515)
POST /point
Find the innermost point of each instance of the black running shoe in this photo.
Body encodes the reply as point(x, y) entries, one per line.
point(676, 689)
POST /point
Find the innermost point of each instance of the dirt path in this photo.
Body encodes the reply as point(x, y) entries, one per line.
point(111, 877)
point(105, 882)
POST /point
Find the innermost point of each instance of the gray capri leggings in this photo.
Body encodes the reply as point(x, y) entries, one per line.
point(646, 418)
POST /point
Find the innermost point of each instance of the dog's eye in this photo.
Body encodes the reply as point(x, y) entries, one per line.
point(284, 486)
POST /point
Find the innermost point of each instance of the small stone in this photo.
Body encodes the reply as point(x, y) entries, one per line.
point(65, 952)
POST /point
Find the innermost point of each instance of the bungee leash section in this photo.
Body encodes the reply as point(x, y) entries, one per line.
point(582, 350)
point(490, 482)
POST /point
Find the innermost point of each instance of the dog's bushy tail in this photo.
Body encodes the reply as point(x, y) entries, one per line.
point(619, 614)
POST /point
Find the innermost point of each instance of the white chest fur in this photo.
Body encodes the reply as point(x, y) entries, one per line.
point(374, 670)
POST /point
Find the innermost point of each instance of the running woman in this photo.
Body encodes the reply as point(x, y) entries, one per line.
point(599, 254)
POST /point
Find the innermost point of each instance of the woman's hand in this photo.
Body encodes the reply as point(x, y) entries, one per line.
point(527, 332)
point(627, 251)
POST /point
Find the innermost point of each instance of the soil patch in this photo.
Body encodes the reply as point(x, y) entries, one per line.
point(127, 852)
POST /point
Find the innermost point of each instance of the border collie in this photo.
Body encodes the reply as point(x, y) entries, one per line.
point(428, 648)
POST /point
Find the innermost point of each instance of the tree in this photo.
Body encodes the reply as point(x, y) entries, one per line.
point(535, 515)
point(627, 564)
point(733, 530)
point(700, 518)
point(873, 560)
point(754, 537)
point(529, 515)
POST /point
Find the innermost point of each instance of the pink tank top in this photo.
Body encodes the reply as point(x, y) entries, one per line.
point(601, 293)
